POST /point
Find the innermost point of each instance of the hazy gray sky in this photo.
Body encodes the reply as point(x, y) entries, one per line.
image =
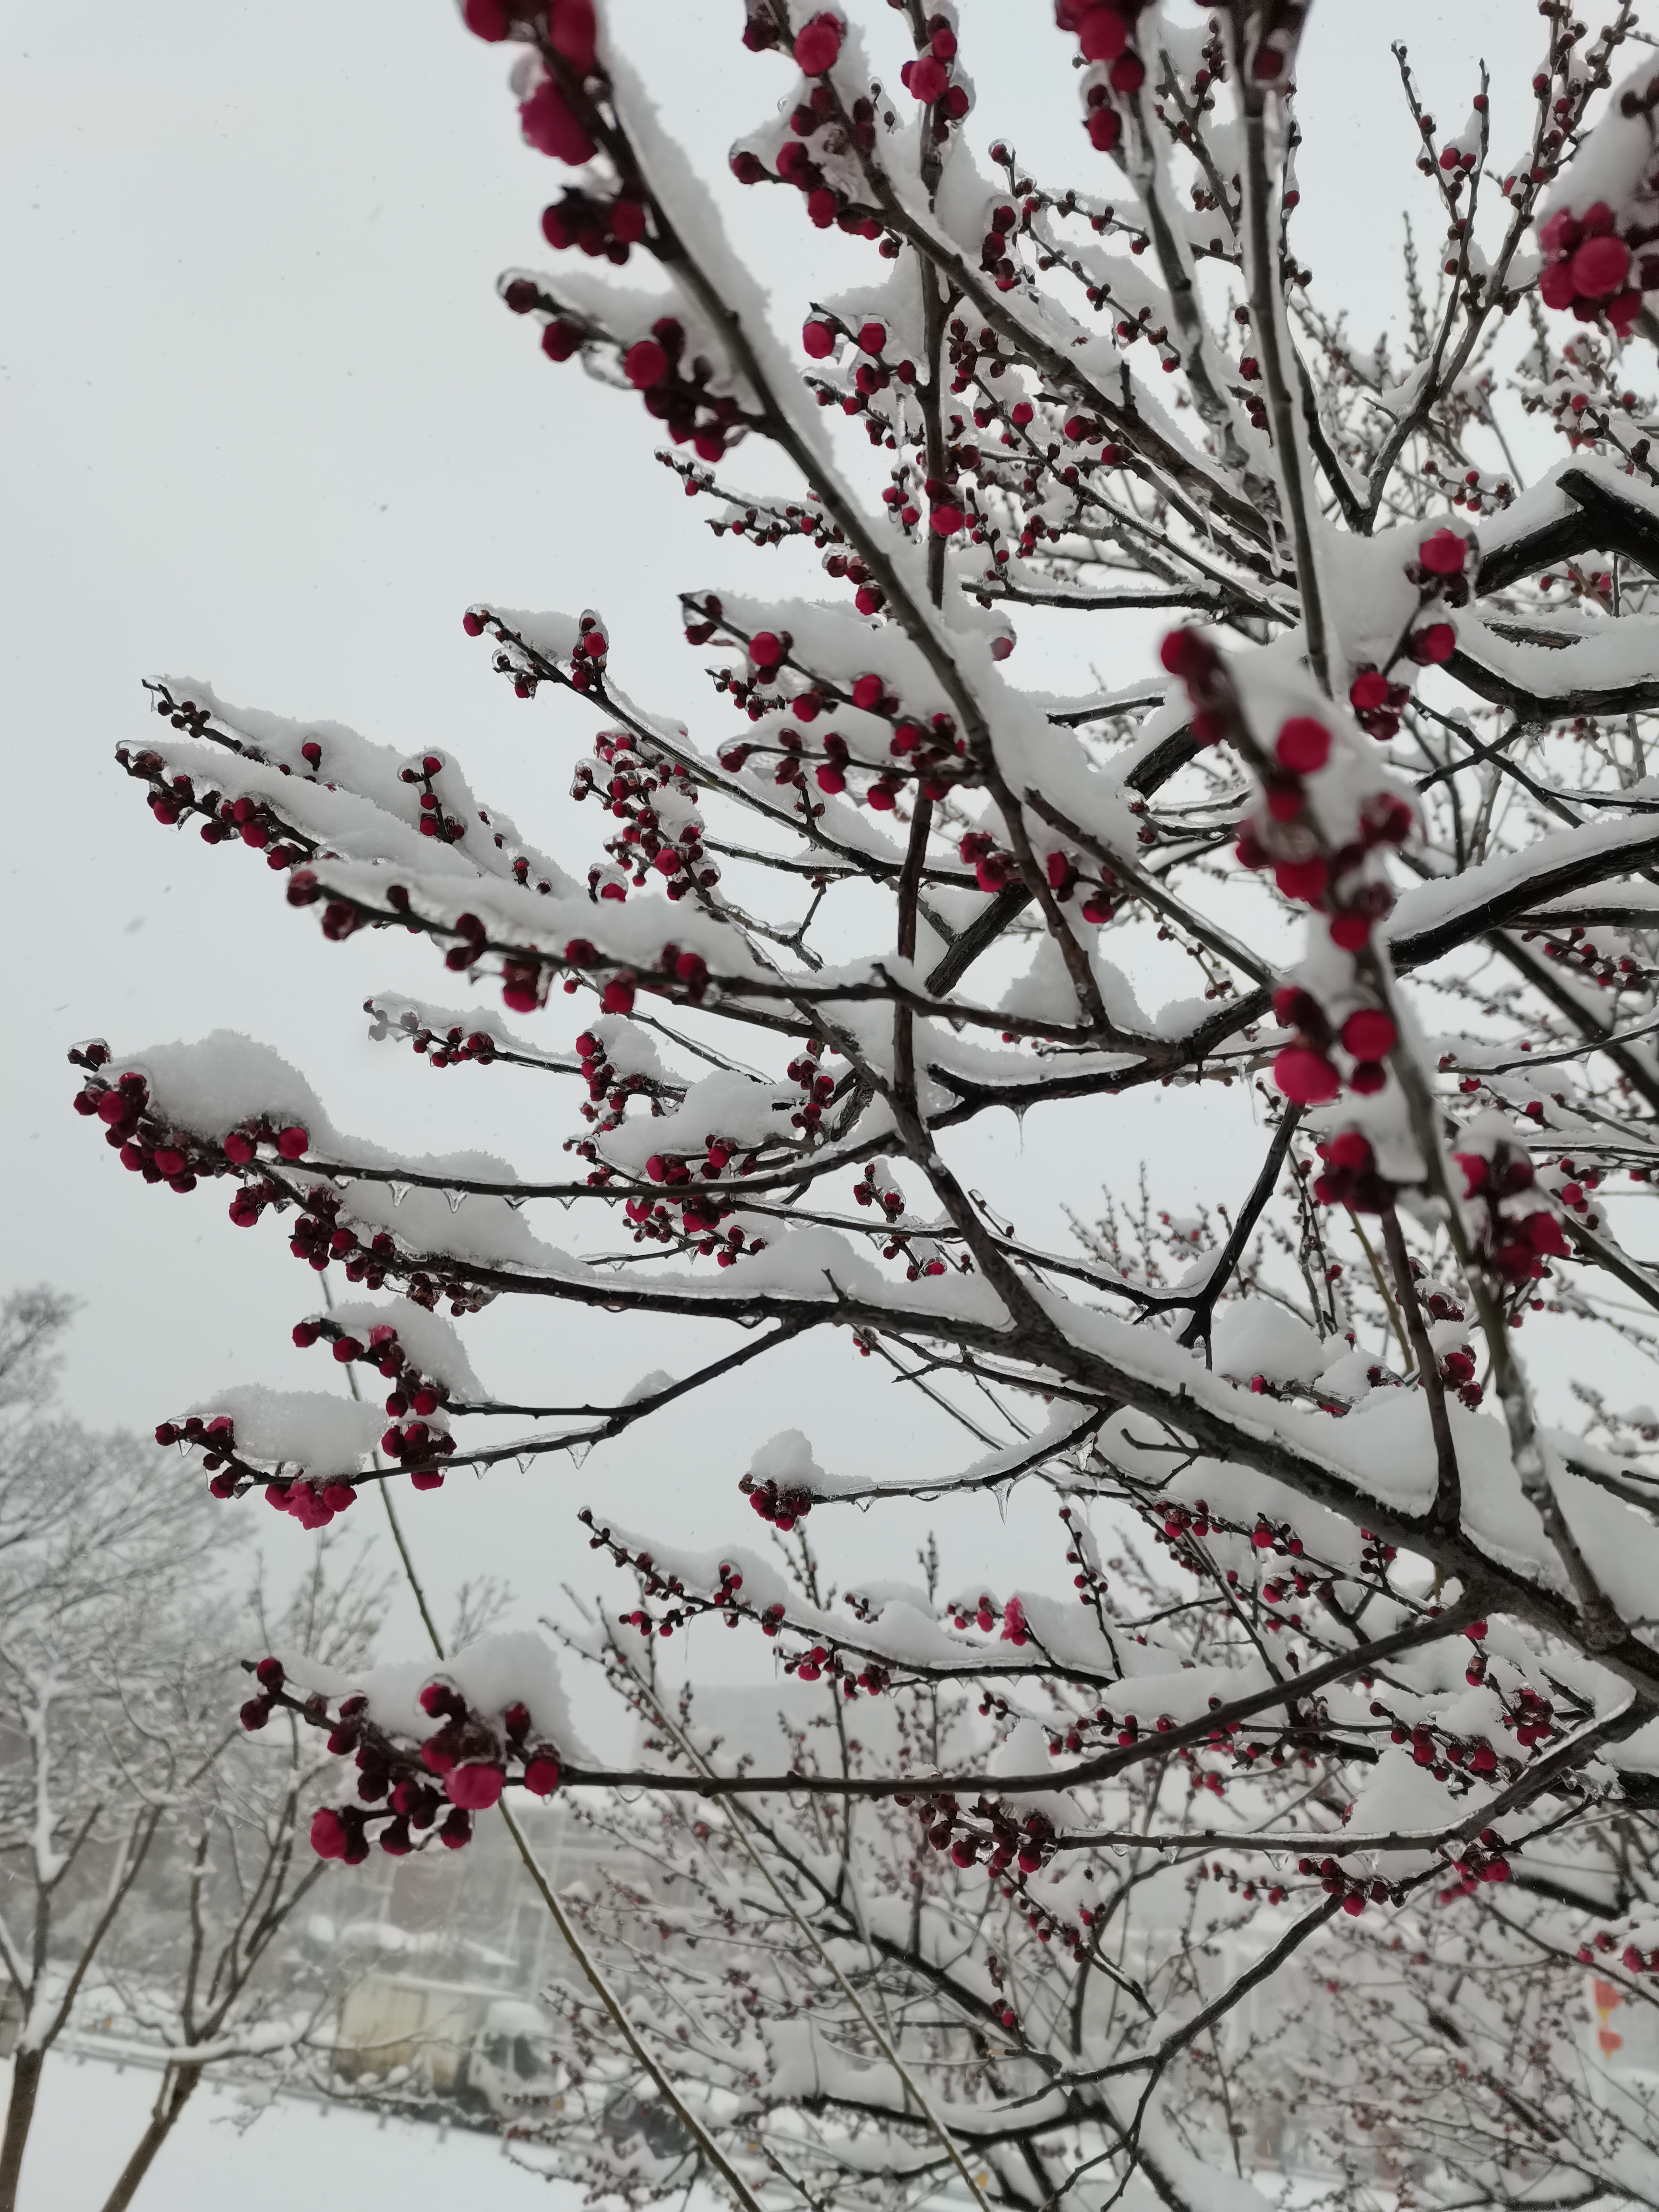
point(264, 423)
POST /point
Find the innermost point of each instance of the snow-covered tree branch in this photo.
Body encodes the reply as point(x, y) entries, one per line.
point(1331, 1757)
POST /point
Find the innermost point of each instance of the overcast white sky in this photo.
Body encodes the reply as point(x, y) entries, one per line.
point(264, 423)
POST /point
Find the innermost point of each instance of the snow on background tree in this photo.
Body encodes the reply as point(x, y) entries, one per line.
point(204, 1966)
point(112, 1680)
point(1325, 1760)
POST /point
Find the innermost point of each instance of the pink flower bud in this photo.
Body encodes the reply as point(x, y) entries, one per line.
point(1556, 288)
point(1445, 553)
point(1599, 267)
point(328, 1833)
point(475, 1786)
point(574, 33)
point(645, 363)
point(1304, 744)
point(1102, 34)
point(550, 128)
point(293, 1142)
point(1303, 879)
point(818, 44)
point(1306, 1078)
point(1369, 1034)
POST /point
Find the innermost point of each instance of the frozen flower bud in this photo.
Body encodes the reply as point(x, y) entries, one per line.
point(541, 1774)
point(328, 1833)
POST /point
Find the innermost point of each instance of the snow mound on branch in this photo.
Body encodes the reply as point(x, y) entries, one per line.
point(788, 1460)
point(1374, 599)
point(226, 1078)
point(309, 1429)
point(1257, 1337)
point(498, 1671)
point(1401, 1797)
point(433, 1343)
point(728, 1104)
point(1024, 1750)
point(1611, 163)
point(649, 1386)
point(1046, 992)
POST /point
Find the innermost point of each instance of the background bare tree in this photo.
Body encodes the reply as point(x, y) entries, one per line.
point(112, 1676)
point(204, 1965)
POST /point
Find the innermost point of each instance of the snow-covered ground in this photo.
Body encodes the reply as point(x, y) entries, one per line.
point(296, 2152)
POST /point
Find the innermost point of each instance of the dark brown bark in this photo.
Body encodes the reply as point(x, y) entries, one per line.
point(26, 2067)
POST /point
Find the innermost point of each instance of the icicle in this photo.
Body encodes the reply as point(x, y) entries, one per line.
point(399, 1192)
point(457, 1199)
point(580, 1450)
point(527, 1460)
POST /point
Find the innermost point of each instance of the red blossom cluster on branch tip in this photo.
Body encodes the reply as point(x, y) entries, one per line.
point(1345, 1696)
point(403, 1784)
